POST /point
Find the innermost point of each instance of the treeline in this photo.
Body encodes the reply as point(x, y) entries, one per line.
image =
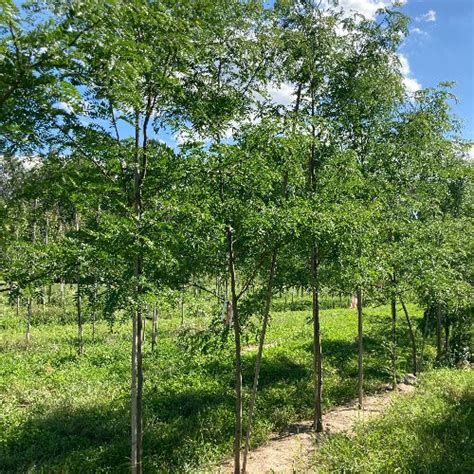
point(144, 150)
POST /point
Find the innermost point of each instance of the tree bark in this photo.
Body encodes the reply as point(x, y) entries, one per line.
point(258, 361)
point(80, 340)
point(238, 360)
point(136, 366)
point(439, 349)
point(154, 327)
point(317, 355)
point(394, 341)
point(425, 335)
point(412, 338)
point(28, 320)
point(361, 348)
point(94, 312)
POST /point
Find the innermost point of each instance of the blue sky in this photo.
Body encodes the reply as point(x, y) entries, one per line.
point(441, 48)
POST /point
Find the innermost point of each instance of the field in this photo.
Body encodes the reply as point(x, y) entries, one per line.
point(65, 413)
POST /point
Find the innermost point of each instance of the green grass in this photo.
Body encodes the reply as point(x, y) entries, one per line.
point(431, 431)
point(64, 413)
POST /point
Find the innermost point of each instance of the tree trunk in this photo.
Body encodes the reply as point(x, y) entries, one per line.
point(80, 341)
point(258, 361)
point(61, 291)
point(238, 361)
point(317, 355)
point(394, 341)
point(446, 335)
point(17, 306)
point(137, 367)
point(93, 326)
point(154, 327)
point(412, 338)
point(93, 316)
point(425, 335)
point(361, 348)
point(28, 320)
point(439, 349)
point(136, 392)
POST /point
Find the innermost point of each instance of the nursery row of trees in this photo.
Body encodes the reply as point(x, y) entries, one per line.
point(143, 150)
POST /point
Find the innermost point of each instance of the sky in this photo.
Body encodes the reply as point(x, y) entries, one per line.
point(441, 48)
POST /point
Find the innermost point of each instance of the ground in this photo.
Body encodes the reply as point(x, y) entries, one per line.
point(65, 413)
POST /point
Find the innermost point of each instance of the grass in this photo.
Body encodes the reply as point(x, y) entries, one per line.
point(64, 413)
point(431, 431)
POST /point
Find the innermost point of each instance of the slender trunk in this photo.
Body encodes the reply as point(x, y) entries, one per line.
point(182, 309)
point(317, 355)
point(238, 361)
point(28, 320)
point(154, 327)
point(61, 281)
point(394, 341)
point(30, 300)
point(136, 395)
point(93, 326)
point(439, 349)
point(47, 290)
point(94, 312)
point(446, 335)
point(80, 341)
point(258, 361)
point(412, 338)
point(425, 335)
point(361, 348)
point(17, 306)
point(137, 367)
point(61, 298)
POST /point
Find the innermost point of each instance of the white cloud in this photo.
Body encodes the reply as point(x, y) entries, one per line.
point(410, 83)
point(65, 106)
point(430, 15)
point(470, 153)
point(419, 31)
point(368, 8)
point(281, 94)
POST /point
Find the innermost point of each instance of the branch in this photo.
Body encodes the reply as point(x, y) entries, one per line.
point(196, 285)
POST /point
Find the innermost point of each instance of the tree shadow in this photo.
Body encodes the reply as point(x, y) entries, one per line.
point(180, 425)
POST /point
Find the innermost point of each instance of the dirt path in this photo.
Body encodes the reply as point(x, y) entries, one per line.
point(292, 450)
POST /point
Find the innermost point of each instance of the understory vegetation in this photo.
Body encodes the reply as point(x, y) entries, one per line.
point(65, 413)
point(430, 431)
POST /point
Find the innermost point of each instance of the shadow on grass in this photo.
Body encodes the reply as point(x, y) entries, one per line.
point(182, 428)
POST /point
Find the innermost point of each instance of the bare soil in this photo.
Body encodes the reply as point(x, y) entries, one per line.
point(292, 450)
